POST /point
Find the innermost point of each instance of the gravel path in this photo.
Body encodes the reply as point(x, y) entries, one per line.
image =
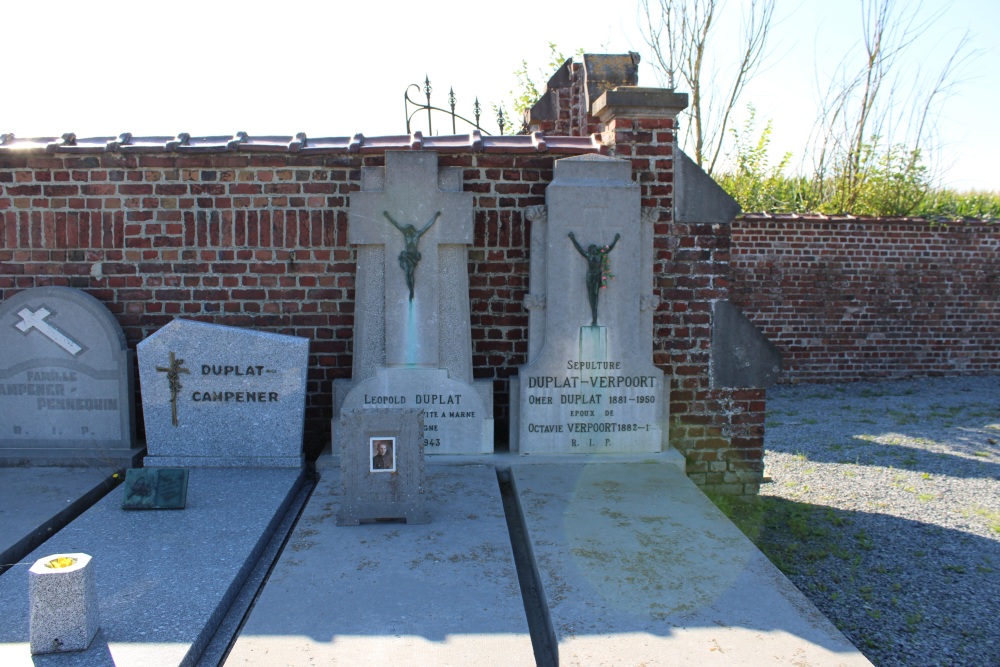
point(891, 498)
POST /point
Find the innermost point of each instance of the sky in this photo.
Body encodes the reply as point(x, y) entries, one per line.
point(216, 67)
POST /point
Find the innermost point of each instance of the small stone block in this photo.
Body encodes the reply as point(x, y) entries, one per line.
point(742, 356)
point(63, 601)
point(382, 466)
point(155, 489)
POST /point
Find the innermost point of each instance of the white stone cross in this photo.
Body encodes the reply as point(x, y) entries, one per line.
point(411, 196)
point(36, 320)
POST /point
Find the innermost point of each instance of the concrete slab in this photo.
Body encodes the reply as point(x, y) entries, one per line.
point(445, 593)
point(165, 578)
point(35, 502)
point(639, 567)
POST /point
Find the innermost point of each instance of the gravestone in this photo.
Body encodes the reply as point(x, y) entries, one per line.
point(221, 396)
point(66, 392)
point(590, 384)
point(382, 466)
point(412, 334)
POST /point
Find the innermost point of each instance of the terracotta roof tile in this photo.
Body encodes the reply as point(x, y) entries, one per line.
point(241, 142)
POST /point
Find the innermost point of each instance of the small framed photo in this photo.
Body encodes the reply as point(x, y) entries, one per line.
point(383, 454)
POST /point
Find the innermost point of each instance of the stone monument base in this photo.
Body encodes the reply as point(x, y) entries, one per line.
point(458, 417)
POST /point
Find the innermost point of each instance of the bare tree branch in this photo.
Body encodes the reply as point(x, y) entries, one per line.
point(678, 34)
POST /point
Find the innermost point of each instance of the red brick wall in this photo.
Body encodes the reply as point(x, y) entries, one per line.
point(849, 299)
point(253, 241)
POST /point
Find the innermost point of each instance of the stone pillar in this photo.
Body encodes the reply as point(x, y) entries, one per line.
point(719, 429)
point(566, 107)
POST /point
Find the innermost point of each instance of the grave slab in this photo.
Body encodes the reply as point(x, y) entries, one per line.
point(215, 395)
point(639, 567)
point(66, 393)
point(164, 578)
point(35, 502)
point(445, 593)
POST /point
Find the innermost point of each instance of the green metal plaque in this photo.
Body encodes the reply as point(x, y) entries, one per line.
point(155, 489)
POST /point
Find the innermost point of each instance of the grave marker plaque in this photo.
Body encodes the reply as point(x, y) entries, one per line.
point(155, 489)
point(66, 392)
point(381, 466)
point(214, 395)
point(590, 384)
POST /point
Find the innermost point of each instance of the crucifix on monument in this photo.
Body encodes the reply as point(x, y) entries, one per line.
point(412, 223)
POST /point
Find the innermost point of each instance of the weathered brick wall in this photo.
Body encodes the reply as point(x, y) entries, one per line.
point(719, 431)
point(252, 241)
point(853, 299)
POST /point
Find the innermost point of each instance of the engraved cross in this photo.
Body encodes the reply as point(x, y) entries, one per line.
point(36, 320)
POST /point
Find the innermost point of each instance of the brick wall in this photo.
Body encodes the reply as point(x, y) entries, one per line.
point(251, 234)
point(252, 241)
point(849, 299)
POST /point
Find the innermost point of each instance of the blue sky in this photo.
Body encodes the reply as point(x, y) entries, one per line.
point(337, 68)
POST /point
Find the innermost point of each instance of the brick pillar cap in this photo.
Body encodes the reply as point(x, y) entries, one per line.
point(636, 102)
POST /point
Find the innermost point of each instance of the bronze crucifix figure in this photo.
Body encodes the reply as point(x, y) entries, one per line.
point(173, 372)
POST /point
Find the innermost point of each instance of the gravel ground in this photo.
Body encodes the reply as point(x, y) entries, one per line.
point(890, 495)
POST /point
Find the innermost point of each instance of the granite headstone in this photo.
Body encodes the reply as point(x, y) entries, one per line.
point(590, 384)
point(222, 396)
point(413, 343)
point(66, 389)
point(382, 466)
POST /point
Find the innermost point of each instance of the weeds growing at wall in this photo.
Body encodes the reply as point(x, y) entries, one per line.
point(882, 180)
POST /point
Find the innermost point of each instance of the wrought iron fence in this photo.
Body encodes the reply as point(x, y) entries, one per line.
point(452, 101)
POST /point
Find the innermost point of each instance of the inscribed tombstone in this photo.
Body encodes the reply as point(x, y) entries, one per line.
point(590, 384)
point(413, 343)
point(214, 395)
point(66, 393)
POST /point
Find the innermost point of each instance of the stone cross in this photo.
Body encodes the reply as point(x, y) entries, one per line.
point(36, 320)
point(411, 195)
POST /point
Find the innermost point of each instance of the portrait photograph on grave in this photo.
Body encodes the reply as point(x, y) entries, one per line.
point(383, 454)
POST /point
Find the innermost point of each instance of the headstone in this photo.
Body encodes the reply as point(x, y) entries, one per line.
point(66, 388)
point(63, 603)
point(382, 466)
point(412, 333)
point(590, 384)
point(216, 396)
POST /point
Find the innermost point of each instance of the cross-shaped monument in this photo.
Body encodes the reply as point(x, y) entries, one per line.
point(412, 225)
point(411, 220)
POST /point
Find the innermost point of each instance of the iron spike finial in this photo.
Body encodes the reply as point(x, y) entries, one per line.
point(477, 109)
point(500, 119)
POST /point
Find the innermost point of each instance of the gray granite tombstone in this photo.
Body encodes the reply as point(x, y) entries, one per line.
point(412, 334)
point(590, 384)
point(219, 396)
point(381, 466)
point(66, 392)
